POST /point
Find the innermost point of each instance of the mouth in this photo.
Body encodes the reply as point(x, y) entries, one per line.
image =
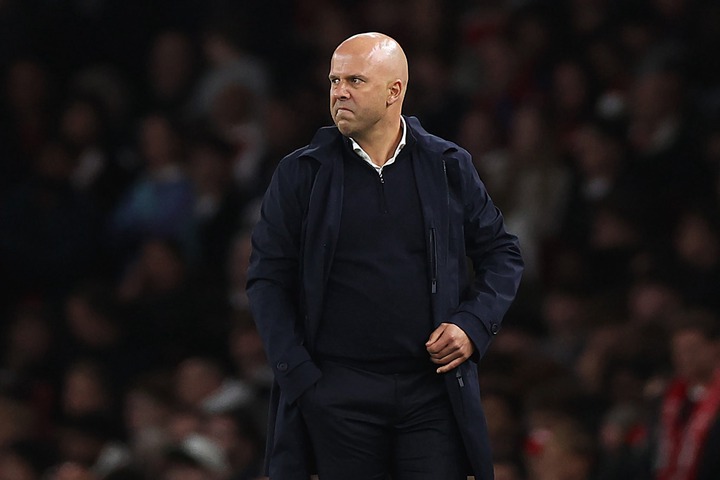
point(341, 110)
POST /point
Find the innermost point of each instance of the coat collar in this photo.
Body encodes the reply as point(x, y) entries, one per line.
point(327, 139)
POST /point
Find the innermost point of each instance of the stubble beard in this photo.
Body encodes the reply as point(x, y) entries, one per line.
point(343, 124)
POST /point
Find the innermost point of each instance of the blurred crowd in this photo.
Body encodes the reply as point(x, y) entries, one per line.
point(136, 141)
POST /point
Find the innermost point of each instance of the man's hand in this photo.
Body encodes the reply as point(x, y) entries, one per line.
point(449, 346)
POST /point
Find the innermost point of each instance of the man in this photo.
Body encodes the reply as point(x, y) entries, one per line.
point(688, 436)
point(359, 288)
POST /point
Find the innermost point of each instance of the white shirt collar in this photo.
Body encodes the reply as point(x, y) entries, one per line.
point(363, 154)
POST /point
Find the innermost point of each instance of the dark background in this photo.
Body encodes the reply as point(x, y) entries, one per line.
point(137, 138)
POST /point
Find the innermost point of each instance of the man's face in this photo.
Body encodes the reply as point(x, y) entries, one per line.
point(694, 356)
point(358, 92)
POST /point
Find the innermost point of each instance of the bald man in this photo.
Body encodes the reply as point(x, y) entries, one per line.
point(359, 286)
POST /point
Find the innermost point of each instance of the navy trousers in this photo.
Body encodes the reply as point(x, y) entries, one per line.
point(372, 426)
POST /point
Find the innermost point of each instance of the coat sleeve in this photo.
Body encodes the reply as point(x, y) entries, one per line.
point(494, 253)
point(273, 277)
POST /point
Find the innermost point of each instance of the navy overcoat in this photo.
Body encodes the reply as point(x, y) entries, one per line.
point(293, 245)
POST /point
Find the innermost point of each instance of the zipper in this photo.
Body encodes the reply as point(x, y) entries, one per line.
point(433, 261)
point(383, 200)
point(458, 375)
point(433, 242)
point(447, 184)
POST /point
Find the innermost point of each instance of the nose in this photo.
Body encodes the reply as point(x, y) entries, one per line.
point(339, 91)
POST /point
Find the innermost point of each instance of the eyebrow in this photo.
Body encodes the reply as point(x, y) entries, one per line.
point(351, 75)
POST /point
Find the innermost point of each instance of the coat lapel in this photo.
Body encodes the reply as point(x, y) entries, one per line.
point(323, 224)
point(432, 189)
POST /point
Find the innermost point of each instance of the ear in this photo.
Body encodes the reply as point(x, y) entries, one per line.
point(395, 91)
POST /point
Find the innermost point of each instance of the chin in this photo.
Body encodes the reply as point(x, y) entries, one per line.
point(344, 128)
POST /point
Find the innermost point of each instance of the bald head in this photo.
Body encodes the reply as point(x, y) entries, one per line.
point(378, 50)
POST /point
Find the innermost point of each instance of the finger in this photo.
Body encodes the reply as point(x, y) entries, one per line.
point(446, 359)
point(440, 349)
point(443, 350)
point(464, 352)
point(435, 335)
point(455, 363)
point(448, 345)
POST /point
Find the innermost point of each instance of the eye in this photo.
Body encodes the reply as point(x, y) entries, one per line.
point(356, 80)
point(334, 81)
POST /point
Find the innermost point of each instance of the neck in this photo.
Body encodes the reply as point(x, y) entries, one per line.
point(382, 142)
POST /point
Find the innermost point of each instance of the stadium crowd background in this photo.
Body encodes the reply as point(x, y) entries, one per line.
point(137, 137)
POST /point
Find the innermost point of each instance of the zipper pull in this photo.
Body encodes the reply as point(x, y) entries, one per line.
point(458, 375)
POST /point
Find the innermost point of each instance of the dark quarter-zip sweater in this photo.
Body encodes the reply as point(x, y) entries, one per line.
point(377, 312)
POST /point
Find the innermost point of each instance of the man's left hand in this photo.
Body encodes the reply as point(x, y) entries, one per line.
point(449, 346)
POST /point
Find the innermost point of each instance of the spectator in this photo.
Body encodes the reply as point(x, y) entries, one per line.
point(90, 444)
point(697, 258)
point(160, 298)
point(86, 390)
point(229, 62)
point(147, 409)
point(620, 438)
point(247, 353)
point(183, 422)
point(26, 120)
point(479, 133)
point(196, 458)
point(28, 355)
point(95, 331)
point(572, 99)
point(238, 436)
point(84, 124)
point(508, 469)
point(597, 156)
point(219, 203)
point(663, 148)
point(688, 436)
point(652, 299)
point(25, 460)
point(565, 316)
point(531, 176)
point(566, 452)
point(17, 422)
point(173, 65)
point(160, 202)
point(202, 384)
point(504, 417)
